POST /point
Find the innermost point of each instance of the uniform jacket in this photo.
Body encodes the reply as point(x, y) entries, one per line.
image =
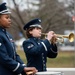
point(10, 62)
point(37, 51)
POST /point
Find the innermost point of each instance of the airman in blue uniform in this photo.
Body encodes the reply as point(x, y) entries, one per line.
point(10, 62)
point(36, 49)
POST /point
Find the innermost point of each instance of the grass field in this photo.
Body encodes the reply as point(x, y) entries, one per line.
point(65, 59)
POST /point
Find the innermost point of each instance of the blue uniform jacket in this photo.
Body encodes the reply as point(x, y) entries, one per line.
point(37, 51)
point(10, 62)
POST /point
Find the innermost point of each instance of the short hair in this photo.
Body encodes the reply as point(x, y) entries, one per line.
point(27, 32)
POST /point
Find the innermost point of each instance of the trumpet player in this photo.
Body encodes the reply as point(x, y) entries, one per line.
point(37, 50)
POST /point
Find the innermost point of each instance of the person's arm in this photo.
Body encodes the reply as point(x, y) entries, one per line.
point(36, 49)
point(7, 61)
point(52, 51)
point(17, 57)
point(11, 64)
point(50, 44)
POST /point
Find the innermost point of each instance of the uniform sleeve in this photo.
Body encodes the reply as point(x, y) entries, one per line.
point(17, 56)
point(51, 49)
point(8, 62)
point(52, 52)
point(33, 49)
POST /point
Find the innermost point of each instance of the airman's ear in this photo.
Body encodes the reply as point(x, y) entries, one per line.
point(30, 32)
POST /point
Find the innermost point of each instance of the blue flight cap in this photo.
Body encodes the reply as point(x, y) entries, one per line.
point(3, 9)
point(33, 23)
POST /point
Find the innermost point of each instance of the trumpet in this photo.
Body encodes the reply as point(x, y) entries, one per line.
point(60, 38)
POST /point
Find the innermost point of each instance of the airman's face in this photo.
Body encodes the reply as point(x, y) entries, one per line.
point(5, 20)
point(36, 32)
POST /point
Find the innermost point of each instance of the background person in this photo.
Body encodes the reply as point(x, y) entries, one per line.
point(36, 49)
point(10, 62)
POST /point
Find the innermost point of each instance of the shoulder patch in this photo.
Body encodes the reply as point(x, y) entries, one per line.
point(30, 46)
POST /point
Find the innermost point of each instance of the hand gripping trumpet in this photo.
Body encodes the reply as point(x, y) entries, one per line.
point(60, 38)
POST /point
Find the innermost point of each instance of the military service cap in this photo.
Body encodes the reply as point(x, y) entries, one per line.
point(3, 9)
point(33, 23)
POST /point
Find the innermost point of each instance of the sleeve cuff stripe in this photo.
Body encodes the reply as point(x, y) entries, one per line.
point(23, 64)
point(44, 46)
point(16, 67)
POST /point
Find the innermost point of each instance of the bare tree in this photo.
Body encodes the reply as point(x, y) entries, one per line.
point(0, 1)
point(52, 13)
point(20, 18)
point(54, 16)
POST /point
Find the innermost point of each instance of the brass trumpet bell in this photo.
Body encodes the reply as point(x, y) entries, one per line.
point(70, 36)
